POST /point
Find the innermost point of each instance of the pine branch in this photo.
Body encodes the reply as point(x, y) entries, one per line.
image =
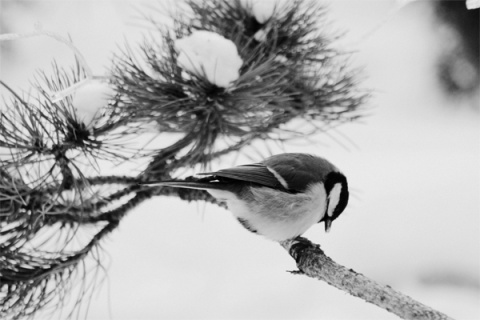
point(291, 71)
point(312, 262)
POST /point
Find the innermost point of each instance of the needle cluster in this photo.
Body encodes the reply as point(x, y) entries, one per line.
point(291, 70)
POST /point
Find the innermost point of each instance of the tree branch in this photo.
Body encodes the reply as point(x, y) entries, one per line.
point(312, 261)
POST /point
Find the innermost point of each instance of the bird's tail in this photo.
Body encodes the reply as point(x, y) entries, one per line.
point(186, 184)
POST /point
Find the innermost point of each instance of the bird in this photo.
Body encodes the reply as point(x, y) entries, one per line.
point(280, 197)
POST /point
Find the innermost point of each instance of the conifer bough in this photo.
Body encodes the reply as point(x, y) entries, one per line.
point(56, 207)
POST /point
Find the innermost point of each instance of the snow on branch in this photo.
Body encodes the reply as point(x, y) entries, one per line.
point(293, 71)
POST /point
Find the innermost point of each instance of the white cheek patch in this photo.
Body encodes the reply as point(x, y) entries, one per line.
point(279, 177)
point(334, 198)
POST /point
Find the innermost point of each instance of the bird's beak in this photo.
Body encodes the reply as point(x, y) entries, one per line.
point(328, 224)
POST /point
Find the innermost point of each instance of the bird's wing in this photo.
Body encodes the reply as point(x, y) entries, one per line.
point(299, 170)
point(254, 173)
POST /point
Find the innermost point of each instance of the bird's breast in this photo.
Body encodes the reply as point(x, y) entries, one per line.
point(275, 214)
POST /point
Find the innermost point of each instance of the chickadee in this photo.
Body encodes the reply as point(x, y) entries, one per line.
point(280, 197)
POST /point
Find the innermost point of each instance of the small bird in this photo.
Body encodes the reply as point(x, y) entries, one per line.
point(280, 197)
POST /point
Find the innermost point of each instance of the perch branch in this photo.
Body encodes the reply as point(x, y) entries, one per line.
point(312, 261)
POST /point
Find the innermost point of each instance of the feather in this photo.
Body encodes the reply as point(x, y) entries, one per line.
point(252, 173)
point(187, 184)
point(299, 170)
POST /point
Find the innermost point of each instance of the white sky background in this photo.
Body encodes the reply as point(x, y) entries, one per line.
point(414, 174)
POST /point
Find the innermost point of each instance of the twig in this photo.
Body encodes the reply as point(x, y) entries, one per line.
point(312, 261)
